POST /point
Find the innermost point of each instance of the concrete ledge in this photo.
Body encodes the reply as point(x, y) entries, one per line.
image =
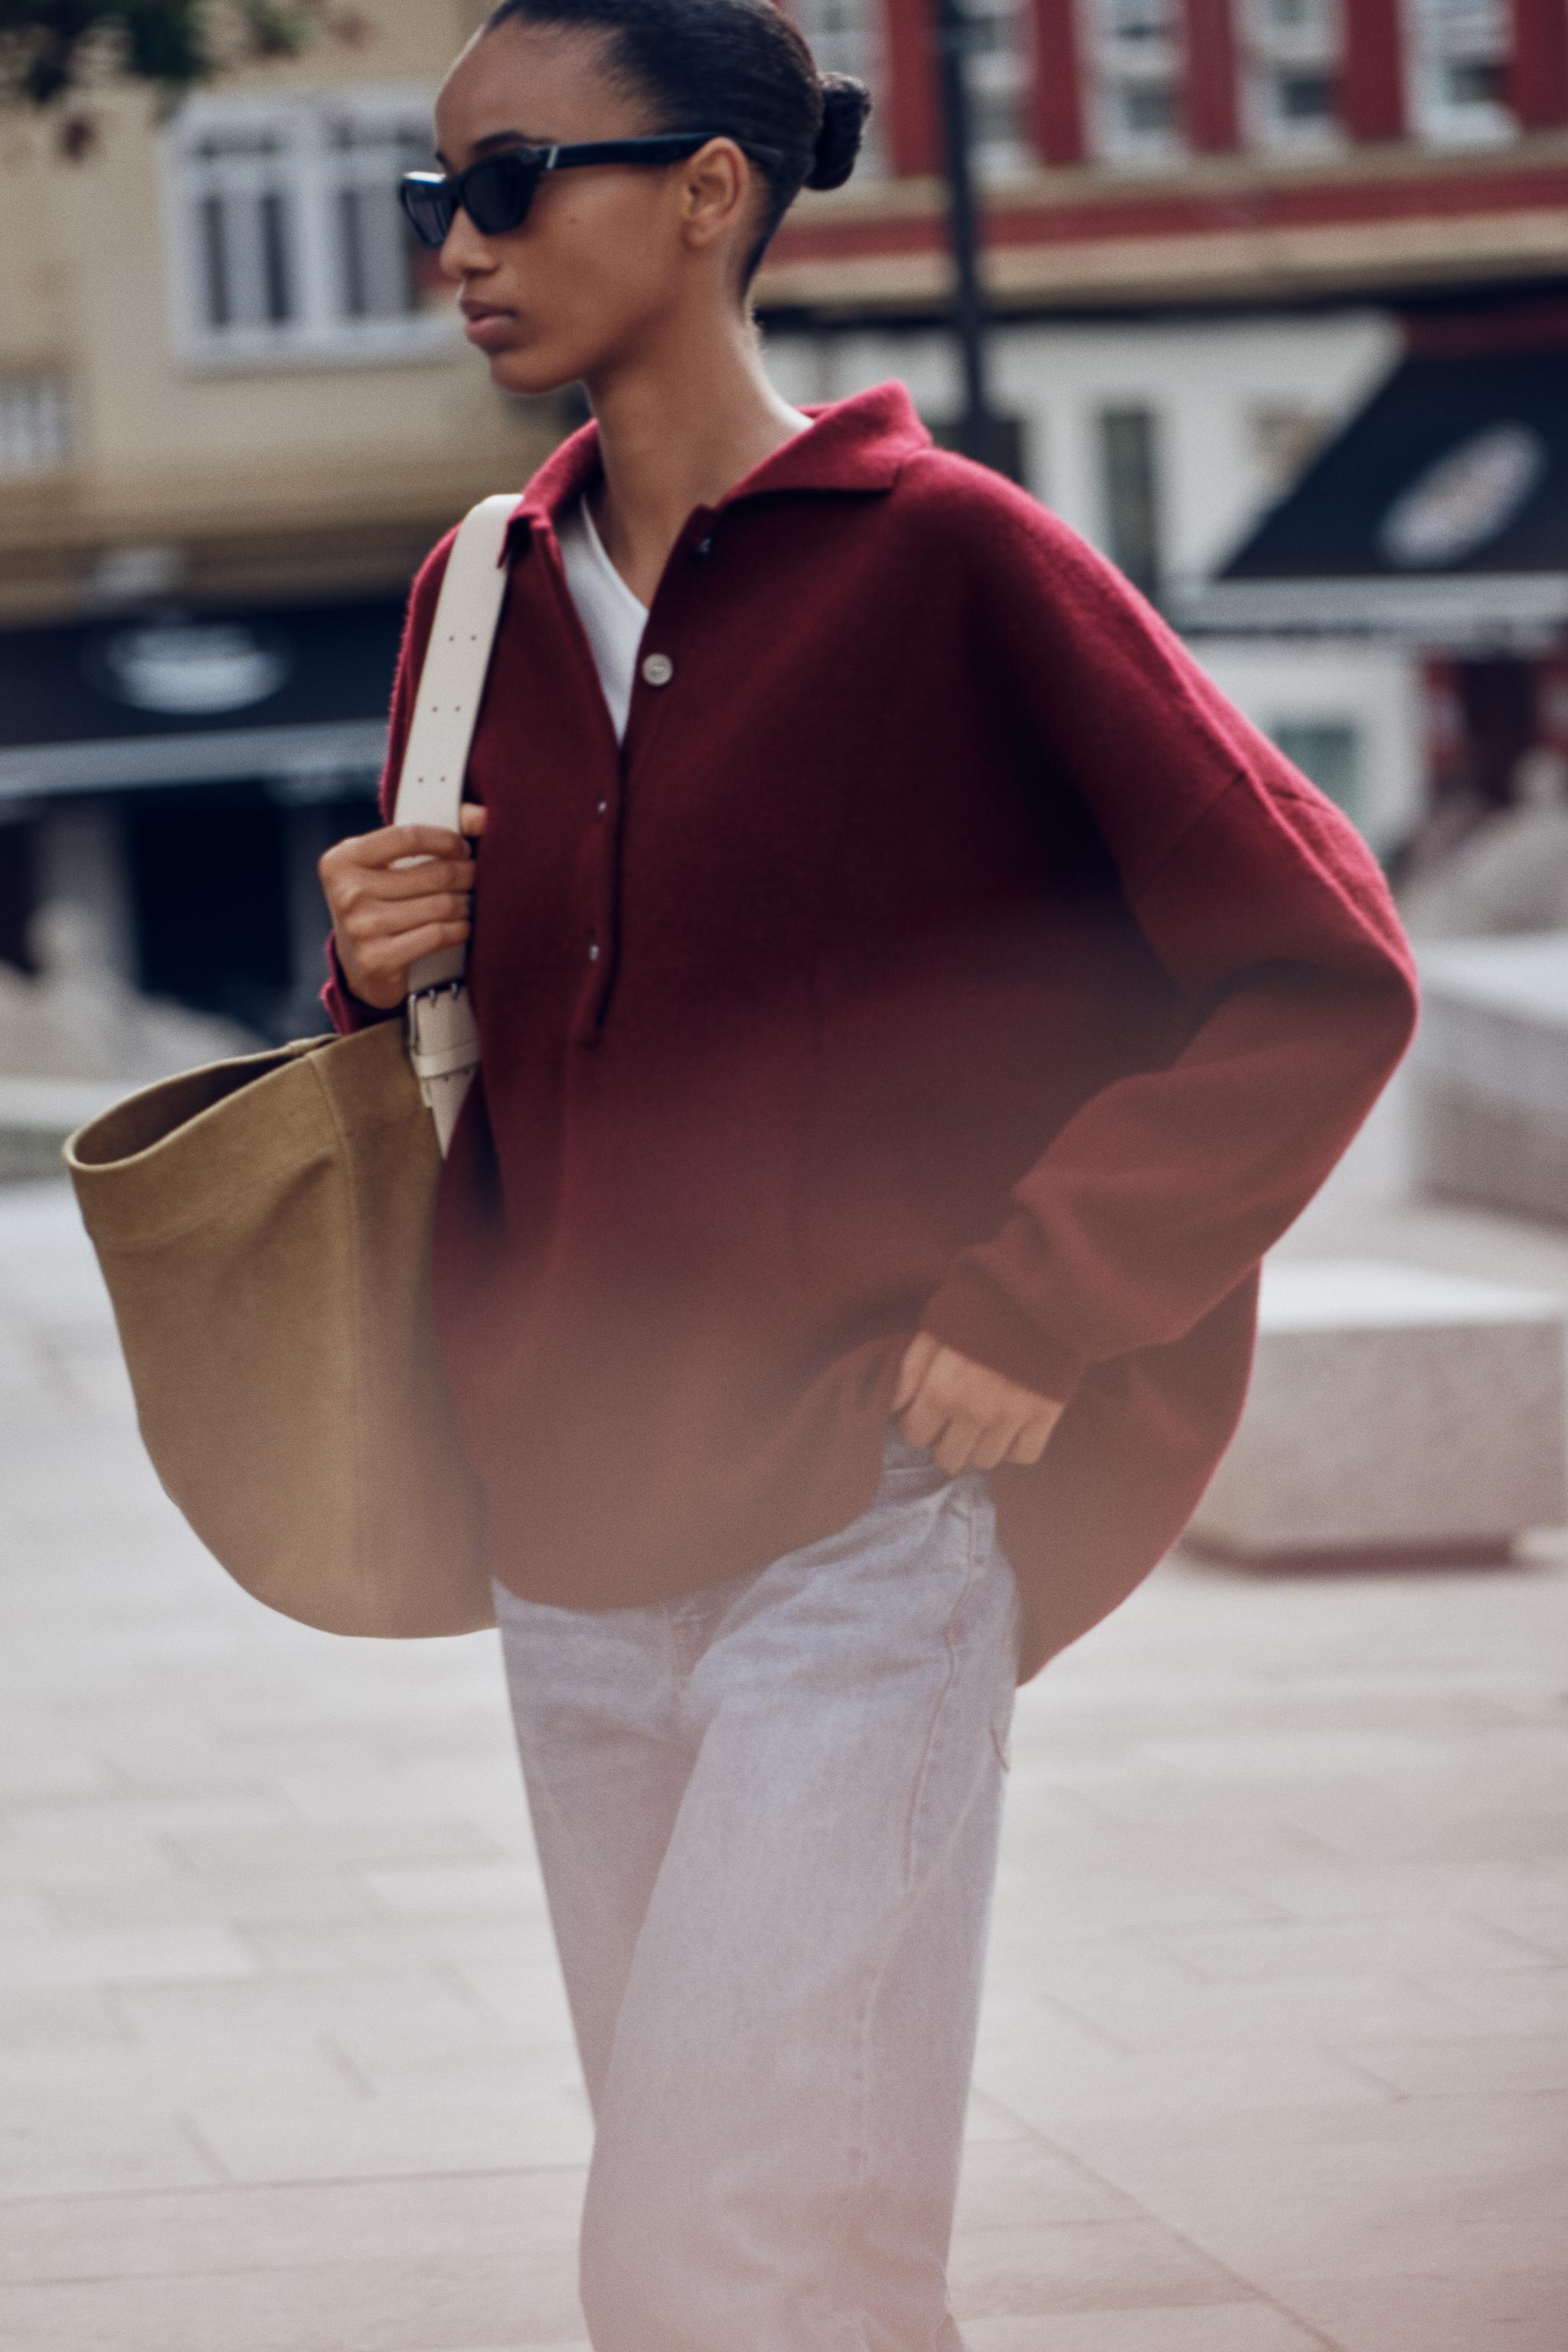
point(1490, 1073)
point(1394, 1411)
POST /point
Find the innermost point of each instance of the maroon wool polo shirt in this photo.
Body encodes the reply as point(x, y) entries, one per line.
point(940, 951)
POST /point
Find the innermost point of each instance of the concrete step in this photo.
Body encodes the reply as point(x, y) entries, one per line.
point(1395, 1409)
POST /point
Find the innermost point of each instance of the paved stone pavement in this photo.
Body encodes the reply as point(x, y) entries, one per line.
point(1275, 2052)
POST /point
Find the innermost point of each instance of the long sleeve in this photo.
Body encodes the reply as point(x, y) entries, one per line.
point(1269, 916)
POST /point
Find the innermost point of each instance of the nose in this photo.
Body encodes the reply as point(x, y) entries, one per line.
point(465, 253)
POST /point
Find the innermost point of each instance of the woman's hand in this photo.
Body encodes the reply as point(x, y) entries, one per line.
point(969, 1417)
point(397, 895)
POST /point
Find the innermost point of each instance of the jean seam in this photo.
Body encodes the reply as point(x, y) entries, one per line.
point(860, 2150)
point(950, 1645)
point(540, 1796)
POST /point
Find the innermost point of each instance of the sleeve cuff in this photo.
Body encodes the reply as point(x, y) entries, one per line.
point(344, 1010)
point(970, 1313)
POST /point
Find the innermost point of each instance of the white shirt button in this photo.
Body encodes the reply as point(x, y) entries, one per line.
point(593, 952)
point(658, 670)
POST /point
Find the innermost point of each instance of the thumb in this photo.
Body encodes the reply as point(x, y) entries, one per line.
point(472, 819)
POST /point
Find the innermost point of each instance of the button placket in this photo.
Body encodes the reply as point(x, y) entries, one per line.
point(656, 669)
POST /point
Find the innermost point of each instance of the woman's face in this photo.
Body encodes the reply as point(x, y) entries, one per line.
point(605, 252)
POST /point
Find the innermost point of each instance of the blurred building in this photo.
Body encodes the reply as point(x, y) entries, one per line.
point(235, 410)
point(1232, 243)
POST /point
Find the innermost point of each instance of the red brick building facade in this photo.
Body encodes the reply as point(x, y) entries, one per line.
point(1175, 151)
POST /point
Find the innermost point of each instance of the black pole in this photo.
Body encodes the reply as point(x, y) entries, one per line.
point(980, 434)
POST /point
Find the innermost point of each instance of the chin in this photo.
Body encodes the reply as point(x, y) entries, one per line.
point(532, 374)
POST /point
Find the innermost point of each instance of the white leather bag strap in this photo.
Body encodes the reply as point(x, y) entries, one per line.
point(443, 1037)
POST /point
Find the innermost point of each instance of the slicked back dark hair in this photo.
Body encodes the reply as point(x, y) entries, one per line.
point(734, 65)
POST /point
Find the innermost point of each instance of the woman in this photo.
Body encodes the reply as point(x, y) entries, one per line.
point(911, 1001)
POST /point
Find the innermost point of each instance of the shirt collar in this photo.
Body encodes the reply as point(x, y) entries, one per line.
point(857, 445)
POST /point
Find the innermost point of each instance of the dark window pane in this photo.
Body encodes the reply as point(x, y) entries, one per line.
point(1149, 107)
point(350, 238)
point(1478, 82)
point(1131, 492)
point(218, 298)
point(1306, 97)
point(1009, 456)
point(278, 291)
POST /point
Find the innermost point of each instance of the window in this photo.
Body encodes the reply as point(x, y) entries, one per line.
point(1013, 452)
point(846, 37)
point(286, 235)
point(1130, 493)
point(1136, 54)
point(1459, 56)
point(1292, 62)
point(35, 426)
point(1328, 751)
point(1000, 74)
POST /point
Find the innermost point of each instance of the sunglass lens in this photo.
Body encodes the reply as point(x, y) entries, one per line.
point(430, 206)
point(497, 192)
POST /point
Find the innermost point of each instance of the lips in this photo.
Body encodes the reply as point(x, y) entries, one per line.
point(488, 328)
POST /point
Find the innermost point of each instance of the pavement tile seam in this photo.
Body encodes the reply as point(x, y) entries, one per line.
point(1251, 2290)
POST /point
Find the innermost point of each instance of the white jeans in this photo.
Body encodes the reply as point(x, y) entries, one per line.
point(767, 1817)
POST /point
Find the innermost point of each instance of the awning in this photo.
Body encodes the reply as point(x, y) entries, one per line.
point(295, 694)
point(1439, 514)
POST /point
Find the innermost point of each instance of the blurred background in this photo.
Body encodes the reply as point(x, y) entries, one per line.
point(1270, 300)
point(1280, 296)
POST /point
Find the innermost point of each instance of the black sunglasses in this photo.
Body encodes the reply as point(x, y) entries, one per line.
point(497, 191)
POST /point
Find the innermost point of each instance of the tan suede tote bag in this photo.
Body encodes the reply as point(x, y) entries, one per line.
point(264, 1226)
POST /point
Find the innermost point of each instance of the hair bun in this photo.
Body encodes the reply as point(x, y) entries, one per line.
point(845, 103)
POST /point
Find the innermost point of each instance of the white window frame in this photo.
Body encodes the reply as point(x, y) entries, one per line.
point(1274, 51)
point(849, 36)
point(1440, 34)
point(36, 435)
point(312, 173)
point(1001, 75)
point(1125, 58)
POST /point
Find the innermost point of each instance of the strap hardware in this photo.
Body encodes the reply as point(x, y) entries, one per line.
point(443, 1035)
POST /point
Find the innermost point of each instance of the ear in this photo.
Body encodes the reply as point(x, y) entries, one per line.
point(715, 193)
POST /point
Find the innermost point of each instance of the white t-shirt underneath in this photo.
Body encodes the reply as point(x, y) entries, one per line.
point(613, 618)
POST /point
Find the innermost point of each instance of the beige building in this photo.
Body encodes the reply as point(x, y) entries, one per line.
point(235, 409)
point(225, 373)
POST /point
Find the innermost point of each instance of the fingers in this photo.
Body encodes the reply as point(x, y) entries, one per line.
point(385, 962)
point(397, 895)
point(912, 1370)
point(395, 919)
point(993, 1443)
point(961, 1446)
point(423, 879)
point(973, 1445)
point(471, 818)
point(950, 1440)
point(966, 1415)
point(392, 842)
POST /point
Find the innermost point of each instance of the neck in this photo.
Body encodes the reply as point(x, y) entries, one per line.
point(677, 433)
